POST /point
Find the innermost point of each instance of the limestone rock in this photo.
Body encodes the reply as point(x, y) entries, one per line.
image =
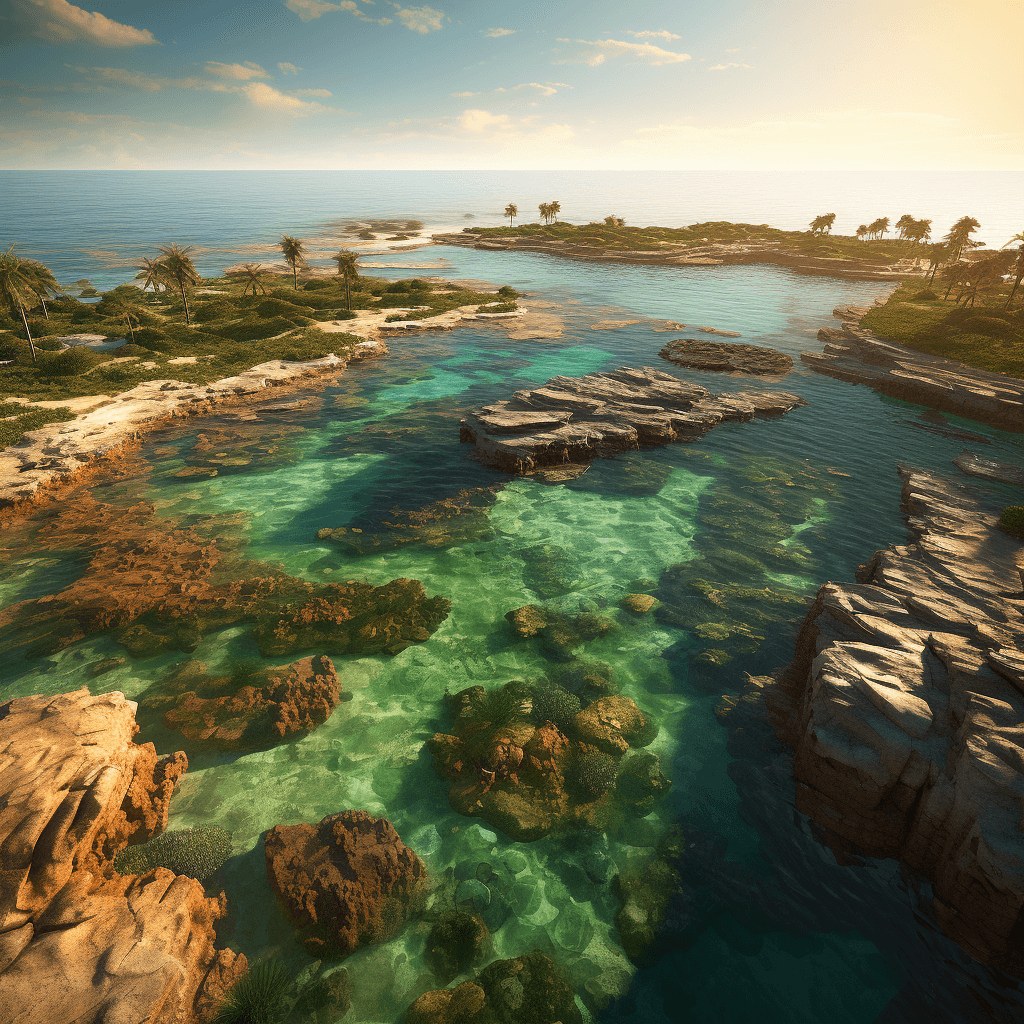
point(285, 703)
point(614, 724)
point(578, 419)
point(79, 943)
point(905, 706)
point(344, 883)
point(715, 355)
point(640, 604)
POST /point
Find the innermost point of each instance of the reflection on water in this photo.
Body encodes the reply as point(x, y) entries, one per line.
point(731, 535)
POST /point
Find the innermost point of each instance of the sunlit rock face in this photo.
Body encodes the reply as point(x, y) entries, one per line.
point(905, 704)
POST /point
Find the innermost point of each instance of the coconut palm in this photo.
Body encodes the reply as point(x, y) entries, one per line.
point(151, 274)
point(879, 227)
point(936, 256)
point(177, 266)
point(17, 280)
point(545, 211)
point(349, 270)
point(862, 231)
point(511, 211)
point(959, 237)
point(903, 224)
point(251, 273)
point(43, 282)
point(1018, 265)
point(556, 209)
point(919, 231)
point(127, 311)
point(294, 255)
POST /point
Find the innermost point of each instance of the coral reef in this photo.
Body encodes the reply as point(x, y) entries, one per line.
point(560, 634)
point(344, 883)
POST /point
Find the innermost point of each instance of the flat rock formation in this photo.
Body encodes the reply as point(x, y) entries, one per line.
point(57, 450)
point(80, 944)
point(717, 355)
point(854, 354)
point(577, 419)
point(709, 254)
point(905, 705)
point(344, 883)
point(990, 469)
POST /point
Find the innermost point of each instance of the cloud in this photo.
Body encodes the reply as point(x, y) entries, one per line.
point(288, 69)
point(480, 120)
point(319, 93)
point(307, 10)
point(269, 98)
point(501, 126)
point(497, 33)
point(725, 67)
point(57, 21)
point(420, 19)
point(645, 53)
point(237, 72)
point(660, 34)
point(545, 90)
point(464, 95)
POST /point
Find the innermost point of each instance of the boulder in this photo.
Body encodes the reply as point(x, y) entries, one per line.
point(78, 942)
point(614, 724)
point(698, 354)
point(639, 604)
point(344, 883)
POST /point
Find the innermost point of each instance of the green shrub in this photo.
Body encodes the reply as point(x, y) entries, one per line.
point(316, 285)
point(1012, 521)
point(11, 347)
point(206, 312)
point(415, 284)
point(120, 373)
point(261, 996)
point(926, 296)
point(398, 286)
point(367, 234)
point(69, 363)
point(196, 852)
point(253, 328)
point(553, 703)
point(134, 350)
point(508, 293)
point(49, 345)
point(498, 307)
point(154, 341)
point(276, 306)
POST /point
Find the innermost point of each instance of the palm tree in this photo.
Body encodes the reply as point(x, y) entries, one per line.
point(511, 211)
point(862, 231)
point(904, 224)
point(817, 225)
point(294, 254)
point(556, 209)
point(349, 270)
point(920, 231)
point(176, 265)
point(959, 237)
point(936, 255)
point(127, 311)
point(1018, 266)
point(17, 285)
point(545, 211)
point(43, 282)
point(251, 273)
point(151, 273)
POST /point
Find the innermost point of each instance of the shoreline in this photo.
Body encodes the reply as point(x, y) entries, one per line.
point(714, 254)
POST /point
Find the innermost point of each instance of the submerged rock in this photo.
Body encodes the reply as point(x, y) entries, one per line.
point(457, 941)
point(344, 883)
point(904, 706)
point(528, 989)
point(75, 790)
point(717, 355)
point(560, 634)
point(278, 704)
point(990, 469)
point(577, 419)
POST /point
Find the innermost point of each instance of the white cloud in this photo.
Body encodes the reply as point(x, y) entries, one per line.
point(725, 67)
point(57, 21)
point(479, 120)
point(269, 98)
point(560, 85)
point(464, 95)
point(319, 93)
point(288, 69)
point(513, 131)
point(420, 19)
point(646, 53)
point(307, 10)
point(660, 34)
point(545, 90)
point(497, 33)
point(237, 72)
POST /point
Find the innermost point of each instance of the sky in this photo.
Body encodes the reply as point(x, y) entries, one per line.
point(929, 84)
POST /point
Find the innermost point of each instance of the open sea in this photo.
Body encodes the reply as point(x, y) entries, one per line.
point(758, 514)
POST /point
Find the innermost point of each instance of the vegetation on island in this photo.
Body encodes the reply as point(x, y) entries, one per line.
point(179, 325)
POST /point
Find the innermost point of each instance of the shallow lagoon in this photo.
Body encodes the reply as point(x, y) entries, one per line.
point(733, 534)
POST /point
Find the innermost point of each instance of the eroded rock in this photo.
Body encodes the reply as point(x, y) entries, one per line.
point(698, 354)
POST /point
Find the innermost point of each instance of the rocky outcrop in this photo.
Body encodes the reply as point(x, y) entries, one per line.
point(578, 419)
point(904, 706)
point(528, 989)
point(715, 355)
point(78, 942)
point(344, 883)
point(854, 354)
point(277, 705)
point(55, 452)
point(990, 469)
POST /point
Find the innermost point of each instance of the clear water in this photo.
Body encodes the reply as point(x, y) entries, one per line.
point(819, 484)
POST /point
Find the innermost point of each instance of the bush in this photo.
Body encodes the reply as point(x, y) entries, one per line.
point(11, 348)
point(1012, 521)
point(367, 234)
point(120, 373)
point(49, 345)
point(316, 285)
point(553, 703)
point(398, 286)
point(508, 293)
point(69, 363)
point(154, 341)
point(195, 852)
point(261, 996)
point(205, 312)
point(417, 285)
point(134, 350)
point(927, 295)
point(281, 307)
point(593, 775)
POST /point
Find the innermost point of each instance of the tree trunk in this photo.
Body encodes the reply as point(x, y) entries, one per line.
point(348, 294)
point(1016, 285)
point(24, 320)
point(46, 314)
point(184, 299)
point(295, 276)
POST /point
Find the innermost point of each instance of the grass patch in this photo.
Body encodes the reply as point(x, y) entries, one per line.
point(986, 337)
point(14, 424)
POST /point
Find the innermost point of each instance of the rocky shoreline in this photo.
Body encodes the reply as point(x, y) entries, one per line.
point(855, 355)
point(904, 707)
point(710, 255)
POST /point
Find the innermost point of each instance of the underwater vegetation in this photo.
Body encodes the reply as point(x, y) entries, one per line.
point(196, 852)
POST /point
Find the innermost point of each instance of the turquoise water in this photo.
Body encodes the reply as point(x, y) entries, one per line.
point(763, 512)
